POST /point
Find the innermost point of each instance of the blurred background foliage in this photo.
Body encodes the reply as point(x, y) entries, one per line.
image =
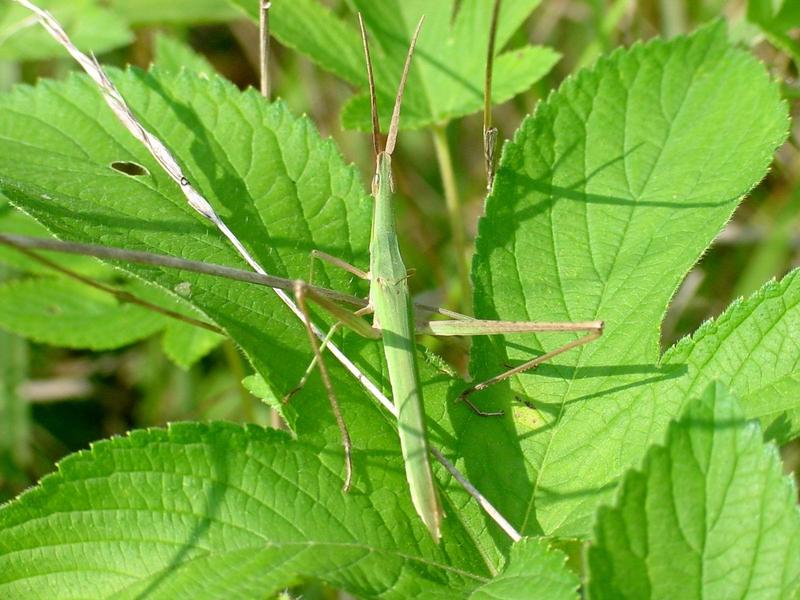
point(55, 400)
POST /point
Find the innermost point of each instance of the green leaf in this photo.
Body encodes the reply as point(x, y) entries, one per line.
point(534, 570)
point(709, 515)
point(306, 198)
point(259, 388)
point(174, 55)
point(777, 18)
point(91, 27)
point(603, 201)
point(148, 12)
point(186, 344)
point(752, 347)
point(446, 80)
point(199, 511)
point(71, 314)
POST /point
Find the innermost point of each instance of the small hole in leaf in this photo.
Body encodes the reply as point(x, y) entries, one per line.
point(129, 168)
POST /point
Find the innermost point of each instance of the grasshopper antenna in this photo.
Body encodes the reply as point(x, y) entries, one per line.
point(373, 97)
point(391, 140)
point(489, 132)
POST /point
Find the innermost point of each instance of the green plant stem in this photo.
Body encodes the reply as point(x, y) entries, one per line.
point(673, 18)
point(454, 213)
point(264, 49)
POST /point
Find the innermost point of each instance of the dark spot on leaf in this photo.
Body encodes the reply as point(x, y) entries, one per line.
point(129, 168)
point(54, 309)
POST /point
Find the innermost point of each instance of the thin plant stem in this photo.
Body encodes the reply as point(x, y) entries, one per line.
point(264, 49)
point(487, 83)
point(489, 132)
point(263, 67)
point(673, 18)
point(173, 262)
point(454, 214)
point(487, 506)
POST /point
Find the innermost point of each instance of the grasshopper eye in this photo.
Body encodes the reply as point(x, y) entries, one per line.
point(131, 169)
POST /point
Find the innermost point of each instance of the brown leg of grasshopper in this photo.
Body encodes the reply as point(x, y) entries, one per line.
point(300, 295)
point(531, 364)
point(336, 262)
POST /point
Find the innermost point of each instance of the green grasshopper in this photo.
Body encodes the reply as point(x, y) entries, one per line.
point(393, 314)
point(389, 298)
point(394, 322)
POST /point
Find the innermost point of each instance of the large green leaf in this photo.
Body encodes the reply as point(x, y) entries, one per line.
point(603, 201)
point(709, 515)
point(447, 78)
point(281, 188)
point(752, 347)
point(62, 174)
point(204, 511)
point(90, 26)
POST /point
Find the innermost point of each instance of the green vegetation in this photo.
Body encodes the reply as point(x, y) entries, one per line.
point(642, 465)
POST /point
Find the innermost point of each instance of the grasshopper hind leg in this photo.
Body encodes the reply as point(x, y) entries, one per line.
point(593, 334)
